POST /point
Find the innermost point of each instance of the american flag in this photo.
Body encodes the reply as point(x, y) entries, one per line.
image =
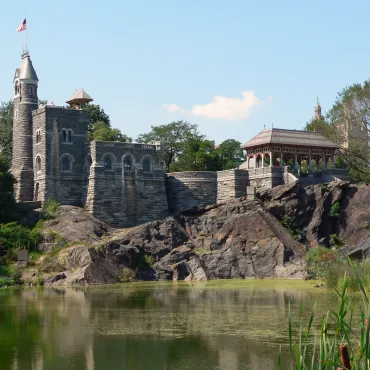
point(22, 26)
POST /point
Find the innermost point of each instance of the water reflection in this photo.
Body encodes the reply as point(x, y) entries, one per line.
point(212, 325)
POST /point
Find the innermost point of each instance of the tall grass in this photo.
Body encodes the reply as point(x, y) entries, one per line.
point(340, 341)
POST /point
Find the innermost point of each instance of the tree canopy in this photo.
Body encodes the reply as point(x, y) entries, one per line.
point(6, 131)
point(231, 155)
point(7, 182)
point(174, 136)
point(103, 132)
point(347, 124)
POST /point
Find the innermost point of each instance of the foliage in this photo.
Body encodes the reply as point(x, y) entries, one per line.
point(336, 240)
point(290, 224)
point(127, 275)
point(9, 276)
point(230, 153)
point(14, 236)
point(7, 200)
point(198, 155)
point(149, 259)
point(96, 114)
point(6, 131)
point(173, 135)
point(335, 209)
point(340, 342)
point(50, 208)
point(348, 124)
point(103, 132)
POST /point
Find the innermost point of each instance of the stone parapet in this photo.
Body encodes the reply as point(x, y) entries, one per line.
point(190, 188)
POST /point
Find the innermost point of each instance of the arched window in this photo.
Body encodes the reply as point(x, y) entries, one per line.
point(259, 161)
point(108, 163)
point(127, 164)
point(16, 88)
point(38, 136)
point(66, 164)
point(69, 137)
point(38, 164)
point(64, 136)
point(146, 165)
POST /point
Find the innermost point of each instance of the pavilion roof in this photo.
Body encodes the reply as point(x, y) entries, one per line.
point(278, 136)
point(80, 97)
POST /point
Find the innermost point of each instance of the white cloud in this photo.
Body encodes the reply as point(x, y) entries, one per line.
point(222, 107)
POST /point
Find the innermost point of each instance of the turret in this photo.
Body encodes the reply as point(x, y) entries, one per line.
point(25, 101)
point(317, 110)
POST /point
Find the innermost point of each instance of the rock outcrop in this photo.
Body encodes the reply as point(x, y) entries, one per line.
point(235, 240)
point(333, 213)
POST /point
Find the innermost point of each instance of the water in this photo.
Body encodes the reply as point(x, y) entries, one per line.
point(234, 324)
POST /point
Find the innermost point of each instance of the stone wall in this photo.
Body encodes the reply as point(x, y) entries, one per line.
point(231, 184)
point(266, 177)
point(59, 145)
point(191, 188)
point(126, 184)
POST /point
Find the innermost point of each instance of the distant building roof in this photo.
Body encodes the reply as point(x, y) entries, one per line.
point(27, 72)
point(80, 97)
point(279, 136)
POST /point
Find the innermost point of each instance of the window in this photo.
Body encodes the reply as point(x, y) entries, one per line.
point(38, 136)
point(16, 88)
point(38, 164)
point(16, 114)
point(89, 163)
point(66, 163)
point(108, 163)
point(127, 164)
point(146, 165)
point(67, 136)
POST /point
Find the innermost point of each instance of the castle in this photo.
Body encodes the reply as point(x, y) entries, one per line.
point(123, 184)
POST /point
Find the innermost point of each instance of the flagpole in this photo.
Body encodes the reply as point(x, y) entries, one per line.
point(25, 47)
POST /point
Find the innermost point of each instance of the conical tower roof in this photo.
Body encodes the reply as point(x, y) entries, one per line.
point(80, 97)
point(27, 72)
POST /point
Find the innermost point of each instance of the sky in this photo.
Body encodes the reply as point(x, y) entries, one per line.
point(231, 67)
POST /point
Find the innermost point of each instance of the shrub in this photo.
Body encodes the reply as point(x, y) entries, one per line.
point(335, 209)
point(128, 275)
point(15, 236)
point(50, 208)
point(149, 260)
point(290, 224)
point(9, 276)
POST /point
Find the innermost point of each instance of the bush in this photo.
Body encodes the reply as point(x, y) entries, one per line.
point(290, 224)
point(50, 208)
point(15, 236)
point(335, 209)
point(127, 276)
point(9, 276)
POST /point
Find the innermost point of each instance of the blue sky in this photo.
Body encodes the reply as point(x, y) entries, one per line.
point(151, 62)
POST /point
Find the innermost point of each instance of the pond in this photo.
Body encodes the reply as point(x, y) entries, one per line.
point(233, 324)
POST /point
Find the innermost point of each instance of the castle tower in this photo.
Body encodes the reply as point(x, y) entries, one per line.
point(25, 101)
point(317, 110)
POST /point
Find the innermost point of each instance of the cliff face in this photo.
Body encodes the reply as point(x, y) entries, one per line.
point(235, 240)
point(334, 213)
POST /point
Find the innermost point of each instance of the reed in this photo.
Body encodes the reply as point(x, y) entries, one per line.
point(339, 341)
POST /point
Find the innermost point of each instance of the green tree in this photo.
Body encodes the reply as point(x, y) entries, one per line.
point(231, 155)
point(7, 182)
point(105, 133)
point(173, 135)
point(198, 154)
point(347, 124)
point(96, 114)
point(6, 131)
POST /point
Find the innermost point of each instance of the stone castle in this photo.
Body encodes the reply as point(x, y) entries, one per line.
point(123, 184)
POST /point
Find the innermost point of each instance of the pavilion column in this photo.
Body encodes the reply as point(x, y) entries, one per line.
point(281, 159)
point(263, 160)
point(295, 161)
point(309, 162)
point(323, 162)
point(270, 159)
